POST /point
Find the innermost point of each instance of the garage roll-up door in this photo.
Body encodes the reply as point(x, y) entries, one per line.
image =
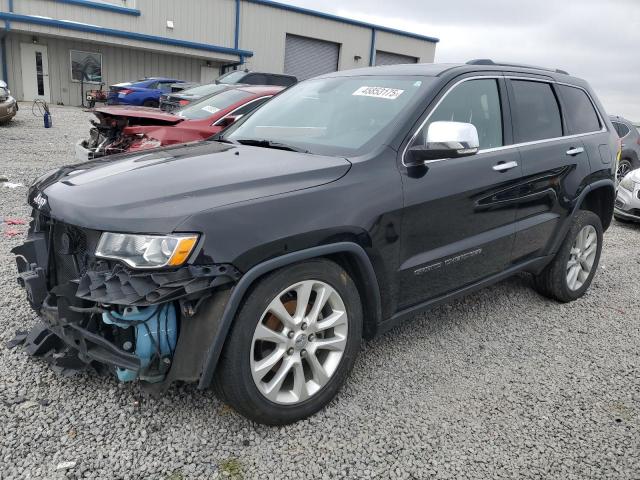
point(307, 57)
point(387, 58)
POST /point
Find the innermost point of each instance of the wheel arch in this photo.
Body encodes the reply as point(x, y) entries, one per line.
point(351, 256)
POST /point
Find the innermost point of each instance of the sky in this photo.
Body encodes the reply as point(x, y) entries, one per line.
point(598, 40)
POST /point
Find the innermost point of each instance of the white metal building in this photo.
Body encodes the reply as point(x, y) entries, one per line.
point(48, 46)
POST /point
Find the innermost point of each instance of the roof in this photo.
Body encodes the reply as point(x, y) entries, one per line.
point(261, 89)
point(438, 69)
point(349, 21)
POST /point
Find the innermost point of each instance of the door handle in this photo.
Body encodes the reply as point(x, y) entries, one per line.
point(575, 151)
point(503, 167)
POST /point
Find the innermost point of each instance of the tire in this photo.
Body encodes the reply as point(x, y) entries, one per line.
point(624, 167)
point(92, 104)
point(239, 378)
point(150, 103)
point(554, 281)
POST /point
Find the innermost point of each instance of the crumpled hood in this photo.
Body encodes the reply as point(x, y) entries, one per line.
point(156, 191)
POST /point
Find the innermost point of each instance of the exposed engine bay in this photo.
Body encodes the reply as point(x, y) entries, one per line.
point(125, 131)
point(152, 326)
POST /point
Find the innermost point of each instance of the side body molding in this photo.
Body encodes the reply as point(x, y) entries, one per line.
point(224, 324)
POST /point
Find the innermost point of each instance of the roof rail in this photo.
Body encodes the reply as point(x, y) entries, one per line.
point(488, 61)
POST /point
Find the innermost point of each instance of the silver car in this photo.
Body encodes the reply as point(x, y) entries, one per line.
point(8, 104)
point(627, 205)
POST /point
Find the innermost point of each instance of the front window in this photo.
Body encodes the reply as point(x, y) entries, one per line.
point(334, 116)
point(213, 104)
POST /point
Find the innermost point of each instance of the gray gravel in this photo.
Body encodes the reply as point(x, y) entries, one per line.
point(503, 384)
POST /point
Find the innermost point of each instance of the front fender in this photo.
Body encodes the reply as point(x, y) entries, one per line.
point(247, 280)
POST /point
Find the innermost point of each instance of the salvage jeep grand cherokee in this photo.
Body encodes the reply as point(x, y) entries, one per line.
point(256, 262)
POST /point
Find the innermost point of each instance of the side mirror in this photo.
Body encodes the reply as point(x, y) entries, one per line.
point(228, 120)
point(446, 140)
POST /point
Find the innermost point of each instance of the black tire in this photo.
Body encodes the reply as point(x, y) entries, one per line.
point(233, 376)
point(625, 165)
point(151, 103)
point(552, 282)
point(92, 104)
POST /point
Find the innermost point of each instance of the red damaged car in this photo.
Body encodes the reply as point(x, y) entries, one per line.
point(122, 129)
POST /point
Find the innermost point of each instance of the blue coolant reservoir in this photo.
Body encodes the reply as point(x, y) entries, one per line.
point(155, 330)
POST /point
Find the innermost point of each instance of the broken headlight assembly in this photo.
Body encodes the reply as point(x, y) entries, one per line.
point(147, 251)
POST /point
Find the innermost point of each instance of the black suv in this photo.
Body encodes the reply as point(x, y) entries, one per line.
point(256, 78)
point(257, 261)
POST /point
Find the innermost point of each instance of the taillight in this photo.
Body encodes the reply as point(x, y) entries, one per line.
point(125, 91)
point(184, 102)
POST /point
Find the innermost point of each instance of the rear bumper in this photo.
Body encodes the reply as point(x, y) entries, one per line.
point(8, 109)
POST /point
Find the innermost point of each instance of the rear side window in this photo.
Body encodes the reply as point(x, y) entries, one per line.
point(536, 111)
point(476, 102)
point(580, 114)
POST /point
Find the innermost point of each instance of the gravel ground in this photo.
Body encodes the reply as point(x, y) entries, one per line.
point(503, 384)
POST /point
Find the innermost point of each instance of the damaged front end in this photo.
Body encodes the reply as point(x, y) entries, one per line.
point(149, 325)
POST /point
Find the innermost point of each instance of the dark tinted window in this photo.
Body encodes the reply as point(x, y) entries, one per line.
point(536, 112)
point(283, 80)
point(255, 79)
point(579, 112)
point(623, 130)
point(476, 102)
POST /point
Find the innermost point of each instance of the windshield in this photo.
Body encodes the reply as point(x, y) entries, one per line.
point(232, 77)
point(213, 104)
point(202, 90)
point(334, 116)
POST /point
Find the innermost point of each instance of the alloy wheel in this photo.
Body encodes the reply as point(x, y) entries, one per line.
point(624, 167)
point(299, 342)
point(582, 257)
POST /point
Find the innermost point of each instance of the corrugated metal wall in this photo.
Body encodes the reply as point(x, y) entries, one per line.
point(118, 65)
point(306, 57)
point(388, 58)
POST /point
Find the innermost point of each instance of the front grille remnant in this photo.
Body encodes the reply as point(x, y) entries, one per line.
point(121, 286)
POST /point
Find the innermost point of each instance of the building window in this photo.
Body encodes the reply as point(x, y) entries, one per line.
point(86, 66)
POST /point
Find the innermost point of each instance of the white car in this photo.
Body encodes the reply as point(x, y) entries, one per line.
point(627, 207)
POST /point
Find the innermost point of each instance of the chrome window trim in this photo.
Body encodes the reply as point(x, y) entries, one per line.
point(515, 145)
point(230, 114)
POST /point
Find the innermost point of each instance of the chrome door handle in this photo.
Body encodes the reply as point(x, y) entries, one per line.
point(575, 151)
point(503, 167)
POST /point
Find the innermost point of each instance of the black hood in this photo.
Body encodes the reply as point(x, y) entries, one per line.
point(155, 191)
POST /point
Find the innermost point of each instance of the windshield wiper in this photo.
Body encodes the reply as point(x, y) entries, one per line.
point(270, 144)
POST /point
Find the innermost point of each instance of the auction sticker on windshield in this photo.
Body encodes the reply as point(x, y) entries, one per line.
point(378, 92)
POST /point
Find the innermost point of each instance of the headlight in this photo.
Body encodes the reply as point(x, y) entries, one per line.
point(146, 251)
point(628, 184)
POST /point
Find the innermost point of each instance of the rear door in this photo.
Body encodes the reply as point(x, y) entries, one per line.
point(458, 220)
point(554, 164)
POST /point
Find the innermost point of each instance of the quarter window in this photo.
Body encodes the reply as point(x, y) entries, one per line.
point(622, 129)
point(579, 111)
point(476, 102)
point(536, 111)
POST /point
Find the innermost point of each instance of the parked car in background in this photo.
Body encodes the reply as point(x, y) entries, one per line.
point(8, 104)
point(144, 93)
point(258, 261)
point(132, 129)
point(630, 137)
point(627, 206)
point(174, 101)
point(257, 78)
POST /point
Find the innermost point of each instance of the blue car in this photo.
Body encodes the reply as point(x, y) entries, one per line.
point(144, 93)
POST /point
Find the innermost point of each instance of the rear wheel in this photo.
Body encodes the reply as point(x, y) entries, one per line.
point(569, 275)
point(151, 103)
point(624, 167)
point(293, 343)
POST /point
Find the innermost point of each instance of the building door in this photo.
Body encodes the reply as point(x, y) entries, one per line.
point(387, 58)
point(35, 71)
point(308, 57)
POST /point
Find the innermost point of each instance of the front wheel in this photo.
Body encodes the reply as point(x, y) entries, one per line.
point(294, 341)
point(570, 273)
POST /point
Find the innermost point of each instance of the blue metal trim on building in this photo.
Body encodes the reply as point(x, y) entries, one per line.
point(82, 27)
point(237, 32)
point(102, 6)
point(349, 21)
point(5, 67)
point(372, 55)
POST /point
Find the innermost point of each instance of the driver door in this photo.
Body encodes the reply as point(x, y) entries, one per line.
point(459, 213)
